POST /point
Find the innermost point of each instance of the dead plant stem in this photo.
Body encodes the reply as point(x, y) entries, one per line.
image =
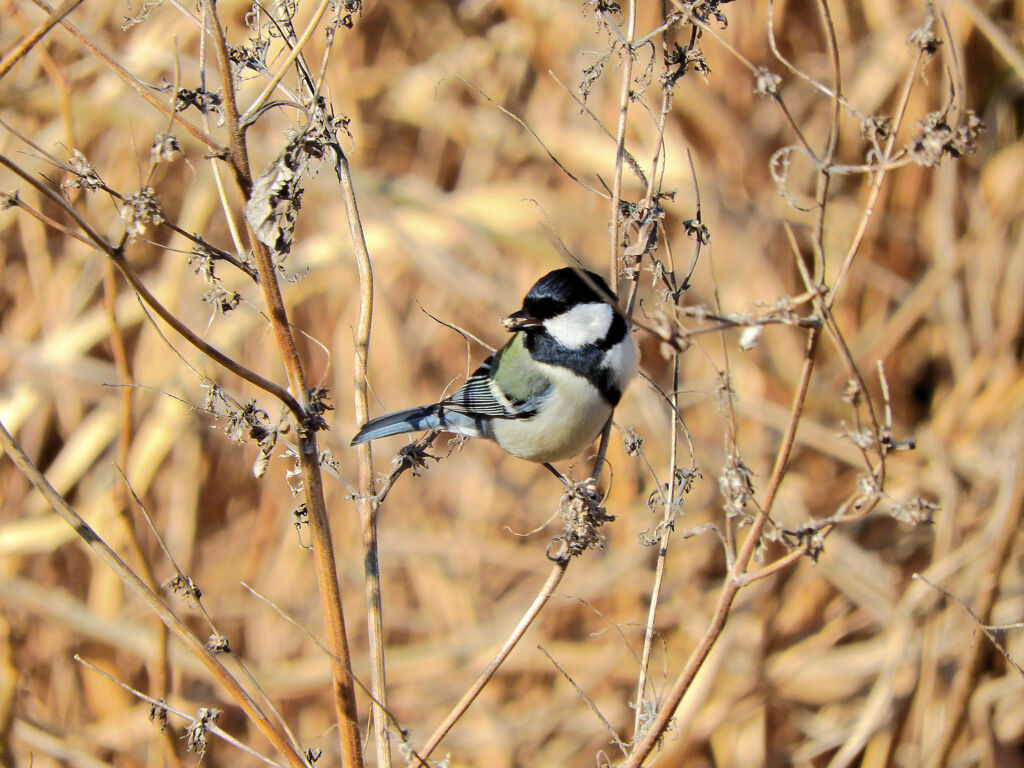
point(37, 34)
point(141, 88)
point(620, 145)
point(557, 572)
point(309, 455)
point(734, 581)
point(128, 577)
point(659, 570)
point(875, 184)
point(238, 151)
point(366, 503)
point(330, 605)
point(161, 704)
point(293, 54)
point(159, 668)
point(829, 155)
point(140, 288)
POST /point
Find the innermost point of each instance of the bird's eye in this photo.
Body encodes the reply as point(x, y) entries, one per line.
point(541, 308)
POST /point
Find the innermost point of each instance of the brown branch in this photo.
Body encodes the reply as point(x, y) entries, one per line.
point(160, 703)
point(141, 88)
point(735, 580)
point(160, 668)
point(309, 455)
point(30, 40)
point(293, 54)
point(875, 183)
point(620, 144)
point(557, 572)
point(128, 577)
point(367, 503)
point(117, 256)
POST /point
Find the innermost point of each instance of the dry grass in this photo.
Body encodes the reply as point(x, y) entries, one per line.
point(849, 661)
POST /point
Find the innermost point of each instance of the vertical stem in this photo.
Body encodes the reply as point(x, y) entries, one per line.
point(620, 142)
point(312, 481)
point(734, 581)
point(160, 668)
point(659, 571)
point(366, 502)
point(875, 182)
point(829, 155)
point(330, 605)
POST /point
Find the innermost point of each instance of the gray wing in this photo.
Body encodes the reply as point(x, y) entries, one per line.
point(481, 396)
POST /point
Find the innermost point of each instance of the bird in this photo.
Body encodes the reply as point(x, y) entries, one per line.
point(548, 393)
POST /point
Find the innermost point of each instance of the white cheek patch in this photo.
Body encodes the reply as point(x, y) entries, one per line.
point(622, 360)
point(583, 324)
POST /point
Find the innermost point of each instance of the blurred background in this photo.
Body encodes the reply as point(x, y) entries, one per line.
point(848, 661)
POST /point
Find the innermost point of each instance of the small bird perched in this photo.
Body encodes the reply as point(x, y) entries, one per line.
point(547, 394)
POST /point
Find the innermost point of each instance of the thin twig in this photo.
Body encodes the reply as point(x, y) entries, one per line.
point(141, 88)
point(819, 86)
point(526, 127)
point(557, 572)
point(128, 577)
point(875, 183)
point(620, 142)
point(367, 504)
point(193, 595)
point(160, 667)
point(30, 40)
point(362, 686)
point(667, 520)
point(160, 704)
point(828, 157)
point(991, 632)
point(733, 582)
point(293, 54)
point(593, 707)
point(669, 512)
point(140, 288)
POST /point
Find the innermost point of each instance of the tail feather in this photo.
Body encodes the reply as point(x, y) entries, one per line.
point(400, 422)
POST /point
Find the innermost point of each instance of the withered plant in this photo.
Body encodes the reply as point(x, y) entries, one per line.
point(221, 221)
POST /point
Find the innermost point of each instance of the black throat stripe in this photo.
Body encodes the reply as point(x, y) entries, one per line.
point(585, 361)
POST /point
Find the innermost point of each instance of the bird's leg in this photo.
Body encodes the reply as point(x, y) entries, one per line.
point(559, 475)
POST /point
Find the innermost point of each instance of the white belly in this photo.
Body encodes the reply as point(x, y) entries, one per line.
point(563, 428)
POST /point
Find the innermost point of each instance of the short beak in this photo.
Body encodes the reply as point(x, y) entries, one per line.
point(521, 321)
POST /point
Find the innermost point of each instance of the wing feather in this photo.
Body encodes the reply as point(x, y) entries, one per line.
point(481, 396)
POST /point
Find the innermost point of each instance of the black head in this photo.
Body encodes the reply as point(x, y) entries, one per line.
point(557, 292)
